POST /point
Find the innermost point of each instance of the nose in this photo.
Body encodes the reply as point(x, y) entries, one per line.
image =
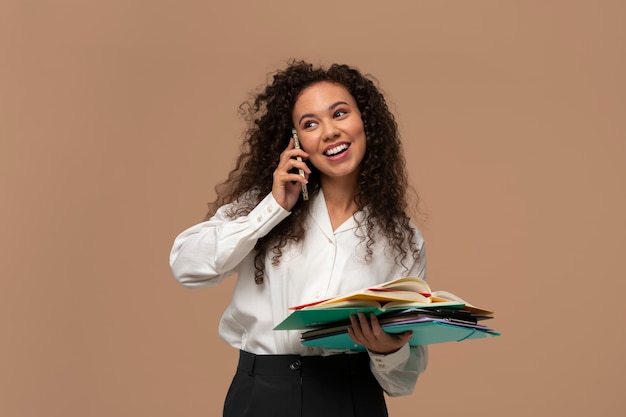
point(330, 130)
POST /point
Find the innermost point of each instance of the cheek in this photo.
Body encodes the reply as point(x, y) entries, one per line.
point(357, 128)
point(315, 160)
point(307, 143)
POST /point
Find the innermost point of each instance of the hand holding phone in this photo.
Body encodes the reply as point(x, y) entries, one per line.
point(296, 144)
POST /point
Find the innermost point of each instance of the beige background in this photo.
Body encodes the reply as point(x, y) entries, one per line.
point(118, 117)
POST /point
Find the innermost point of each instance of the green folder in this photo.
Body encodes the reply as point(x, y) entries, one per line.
point(314, 317)
point(425, 332)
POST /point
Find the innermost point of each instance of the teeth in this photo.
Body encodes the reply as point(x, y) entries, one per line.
point(336, 150)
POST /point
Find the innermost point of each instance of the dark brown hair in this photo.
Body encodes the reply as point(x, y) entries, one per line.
point(382, 184)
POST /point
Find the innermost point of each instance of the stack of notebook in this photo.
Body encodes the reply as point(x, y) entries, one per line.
point(400, 305)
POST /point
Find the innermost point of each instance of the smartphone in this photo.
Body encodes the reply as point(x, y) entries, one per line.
point(296, 144)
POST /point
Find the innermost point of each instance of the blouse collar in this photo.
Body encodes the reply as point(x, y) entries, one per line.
point(320, 215)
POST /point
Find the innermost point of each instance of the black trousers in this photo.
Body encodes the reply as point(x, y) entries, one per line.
point(304, 386)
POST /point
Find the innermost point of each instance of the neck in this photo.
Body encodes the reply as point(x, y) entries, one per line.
point(340, 191)
point(339, 195)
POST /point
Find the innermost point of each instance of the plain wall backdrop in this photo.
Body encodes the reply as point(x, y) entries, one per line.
point(117, 119)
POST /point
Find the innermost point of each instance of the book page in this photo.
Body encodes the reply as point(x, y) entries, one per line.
point(379, 296)
point(414, 284)
point(444, 296)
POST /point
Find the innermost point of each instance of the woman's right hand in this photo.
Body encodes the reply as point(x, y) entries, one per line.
point(287, 185)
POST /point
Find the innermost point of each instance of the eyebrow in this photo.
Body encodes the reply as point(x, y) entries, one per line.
point(331, 107)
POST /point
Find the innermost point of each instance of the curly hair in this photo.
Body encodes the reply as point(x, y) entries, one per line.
point(382, 185)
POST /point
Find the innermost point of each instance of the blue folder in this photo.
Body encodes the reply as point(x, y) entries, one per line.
point(425, 332)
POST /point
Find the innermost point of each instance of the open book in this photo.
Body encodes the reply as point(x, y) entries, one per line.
point(407, 289)
point(399, 294)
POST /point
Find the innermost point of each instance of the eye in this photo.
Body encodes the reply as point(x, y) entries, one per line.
point(309, 124)
point(339, 113)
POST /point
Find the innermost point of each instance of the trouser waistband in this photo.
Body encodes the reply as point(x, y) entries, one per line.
point(340, 364)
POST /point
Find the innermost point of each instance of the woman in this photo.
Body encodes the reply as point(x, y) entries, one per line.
point(352, 232)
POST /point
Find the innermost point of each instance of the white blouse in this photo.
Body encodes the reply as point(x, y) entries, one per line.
point(324, 264)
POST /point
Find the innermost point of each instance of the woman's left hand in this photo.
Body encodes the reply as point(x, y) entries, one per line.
point(370, 334)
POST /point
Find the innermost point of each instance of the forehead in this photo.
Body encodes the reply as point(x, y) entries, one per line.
point(321, 95)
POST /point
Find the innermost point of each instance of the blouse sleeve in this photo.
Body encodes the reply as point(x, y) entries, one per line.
point(397, 373)
point(206, 253)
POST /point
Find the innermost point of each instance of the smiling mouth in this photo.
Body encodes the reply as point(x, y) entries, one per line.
point(336, 150)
